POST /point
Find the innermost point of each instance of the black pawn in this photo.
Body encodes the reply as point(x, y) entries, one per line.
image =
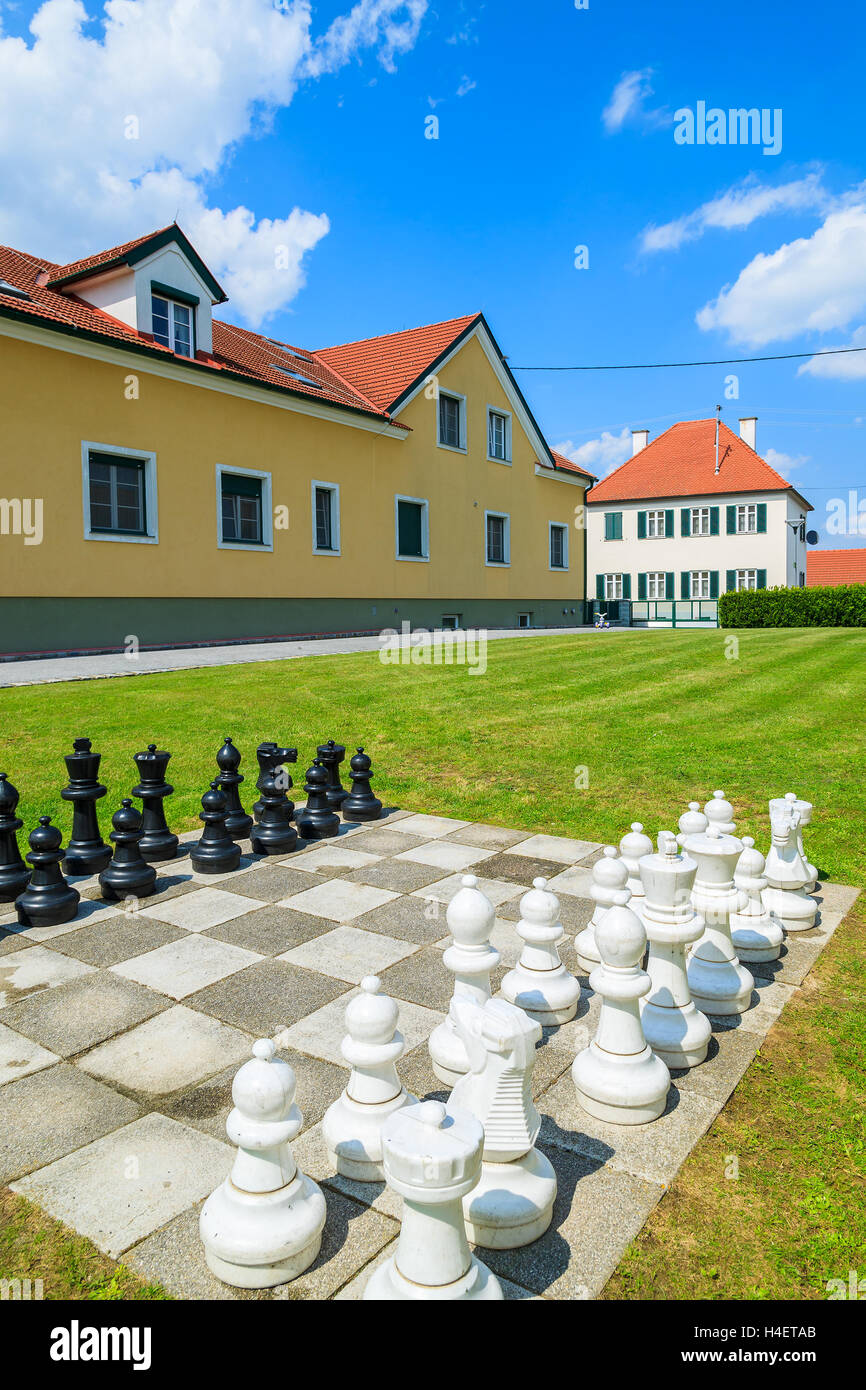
point(48, 899)
point(14, 873)
point(319, 822)
point(331, 754)
point(87, 852)
point(127, 876)
point(216, 852)
point(274, 833)
point(361, 804)
point(238, 823)
point(157, 842)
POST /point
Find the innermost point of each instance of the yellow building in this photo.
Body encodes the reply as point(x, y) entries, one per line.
point(167, 477)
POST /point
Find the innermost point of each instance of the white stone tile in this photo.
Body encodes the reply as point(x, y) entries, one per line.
point(350, 954)
point(338, 900)
point(330, 856)
point(576, 881)
point(445, 854)
point(556, 847)
point(34, 968)
point(122, 1188)
point(19, 1056)
point(321, 1033)
point(506, 941)
point(176, 1048)
point(203, 908)
point(496, 889)
point(431, 827)
point(181, 967)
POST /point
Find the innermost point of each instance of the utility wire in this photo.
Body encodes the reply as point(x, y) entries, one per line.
point(715, 362)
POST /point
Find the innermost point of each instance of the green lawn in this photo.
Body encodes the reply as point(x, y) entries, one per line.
point(655, 719)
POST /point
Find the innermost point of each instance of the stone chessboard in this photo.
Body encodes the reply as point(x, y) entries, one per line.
point(120, 1033)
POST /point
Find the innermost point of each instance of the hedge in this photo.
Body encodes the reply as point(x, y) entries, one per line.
point(841, 606)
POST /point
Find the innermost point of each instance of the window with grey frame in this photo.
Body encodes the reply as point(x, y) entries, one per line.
point(116, 494)
point(241, 509)
point(410, 530)
point(449, 421)
point(497, 551)
point(325, 529)
point(557, 548)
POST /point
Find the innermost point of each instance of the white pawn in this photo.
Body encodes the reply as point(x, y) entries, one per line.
point(675, 1030)
point(352, 1126)
point(513, 1202)
point(720, 812)
point(805, 809)
point(264, 1225)
point(755, 932)
point(609, 877)
point(432, 1160)
point(719, 983)
point(633, 846)
point(540, 983)
point(618, 1077)
point(786, 869)
point(470, 958)
point(691, 822)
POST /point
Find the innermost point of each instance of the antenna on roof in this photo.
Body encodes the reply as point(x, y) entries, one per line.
point(718, 417)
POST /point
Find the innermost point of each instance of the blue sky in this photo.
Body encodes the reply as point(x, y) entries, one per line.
point(556, 129)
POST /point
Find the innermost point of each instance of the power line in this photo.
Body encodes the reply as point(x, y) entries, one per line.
point(715, 362)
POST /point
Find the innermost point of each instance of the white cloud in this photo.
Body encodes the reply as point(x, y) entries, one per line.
point(599, 456)
point(813, 284)
point(628, 103)
point(198, 77)
point(466, 86)
point(849, 366)
point(783, 463)
point(736, 208)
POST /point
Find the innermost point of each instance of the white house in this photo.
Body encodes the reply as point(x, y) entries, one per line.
point(693, 514)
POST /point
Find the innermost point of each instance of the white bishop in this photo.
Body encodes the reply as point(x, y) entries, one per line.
point(470, 958)
point(720, 812)
point(719, 983)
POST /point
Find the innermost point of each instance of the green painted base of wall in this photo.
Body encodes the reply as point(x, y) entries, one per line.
point(43, 625)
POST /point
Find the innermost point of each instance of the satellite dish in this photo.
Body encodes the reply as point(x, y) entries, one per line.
point(811, 537)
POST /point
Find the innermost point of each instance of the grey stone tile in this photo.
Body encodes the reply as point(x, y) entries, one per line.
point(487, 836)
point(118, 939)
point(423, 979)
point(11, 941)
point(729, 1055)
point(268, 883)
point(769, 998)
point(265, 998)
point(836, 897)
point(497, 890)
point(321, 1033)
point(51, 1112)
point(384, 842)
point(518, 868)
point(800, 950)
point(408, 919)
point(20, 1057)
point(123, 1187)
point(270, 930)
point(167, 1053)
point(574, 914)
point(397, 875)
point(83, 1012)
point(206, 1106)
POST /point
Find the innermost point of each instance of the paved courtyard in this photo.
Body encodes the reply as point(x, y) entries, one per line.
point(120, 1034)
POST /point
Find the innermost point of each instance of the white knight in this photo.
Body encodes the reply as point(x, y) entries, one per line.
point(788, 874)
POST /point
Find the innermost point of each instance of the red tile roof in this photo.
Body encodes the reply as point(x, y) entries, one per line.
point(562, 462)
point(103, 258)
point(384, 368)
point(827, 567)
point(681, 463)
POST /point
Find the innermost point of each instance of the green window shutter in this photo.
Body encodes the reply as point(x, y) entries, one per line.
point(685, 584)
point(669, 522)
point(617, 526)
point(730, 579)
point(762, 516)
point(641, 586)
point(641, 526)
point(714, 583)
point(714, 521)
point(685, 521)
point(732, 520)
point(613, 526)
point(670, 580)
point(599, 586)
point(762, 579)
point(626, 586)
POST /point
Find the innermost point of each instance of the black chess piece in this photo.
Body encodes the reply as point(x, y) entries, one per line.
point(361, 804)
point(87, 852)
point(216, 852)
point(128, 875)
point(157, 842)
point(14, 873)
point(331, 754)
point(271, 758)
point(274, 833)
point(319, 821)
point(48, 899)
point(238, 823)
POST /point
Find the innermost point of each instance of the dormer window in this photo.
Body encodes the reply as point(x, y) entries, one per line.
point(172, 324)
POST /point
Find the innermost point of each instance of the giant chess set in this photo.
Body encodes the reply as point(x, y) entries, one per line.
point(597, 981)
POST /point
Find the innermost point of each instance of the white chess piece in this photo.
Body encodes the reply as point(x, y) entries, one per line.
point(432, 1160)
point(805, 809)
point(633, 846)
point(352, 1126)
point(720, 812)
point(618, 1078)
point(675, 1030)
point(470, 958)
point(719, 983)
point(786, 870)
point(540, 983)
point(691, 822)
point(513, 1202)
point(755, 932)
point(264, 1225)
point(609, 877)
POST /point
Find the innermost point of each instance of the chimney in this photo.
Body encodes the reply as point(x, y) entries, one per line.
point(748, 430)
point(639, 440)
